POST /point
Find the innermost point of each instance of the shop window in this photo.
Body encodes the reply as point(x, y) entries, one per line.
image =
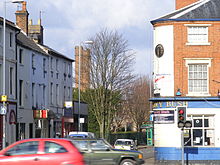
point(202, 132)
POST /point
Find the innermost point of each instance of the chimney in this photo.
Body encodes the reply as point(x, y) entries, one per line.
point(182, 3)
point(22, 17)
point(84, 68)
point(35, 32)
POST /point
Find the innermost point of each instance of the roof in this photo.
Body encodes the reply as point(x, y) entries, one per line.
point(55, 53)
point(24, 41)
point(203, 10)
point(9, 23)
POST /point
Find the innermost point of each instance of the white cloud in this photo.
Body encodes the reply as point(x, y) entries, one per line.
point(67, 22)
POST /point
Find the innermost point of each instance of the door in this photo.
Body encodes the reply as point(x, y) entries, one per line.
point(21, 154)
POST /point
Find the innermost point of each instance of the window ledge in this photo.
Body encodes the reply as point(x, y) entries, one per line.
point(205, 43)
point(198, 94)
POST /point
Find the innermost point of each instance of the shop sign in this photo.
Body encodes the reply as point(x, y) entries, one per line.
point(163, 116)
point(40, 114)
point(169, 104)
point(68, 112)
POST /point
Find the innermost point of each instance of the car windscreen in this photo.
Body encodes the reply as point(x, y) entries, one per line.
point(123, 143)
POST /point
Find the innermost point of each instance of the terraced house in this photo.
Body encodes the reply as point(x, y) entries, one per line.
point(187, 75)
point(38, 83)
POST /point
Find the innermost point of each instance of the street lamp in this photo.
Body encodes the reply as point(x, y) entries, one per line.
point(4, 68)
point(79, 77)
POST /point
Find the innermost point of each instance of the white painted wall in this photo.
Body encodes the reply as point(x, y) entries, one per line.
point(164, 66)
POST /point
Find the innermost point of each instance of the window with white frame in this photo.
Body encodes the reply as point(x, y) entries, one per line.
point(202, 132)
point(197, 34)
point(198, 78)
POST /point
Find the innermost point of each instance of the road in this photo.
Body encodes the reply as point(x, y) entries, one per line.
point(148, 155)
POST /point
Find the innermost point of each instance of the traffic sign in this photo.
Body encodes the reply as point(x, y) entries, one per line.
point(3, 110)
point(4, 98)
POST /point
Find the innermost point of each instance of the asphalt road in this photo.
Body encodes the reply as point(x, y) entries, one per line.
point(148, 154)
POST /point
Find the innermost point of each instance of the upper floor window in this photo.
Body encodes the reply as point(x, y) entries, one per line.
point(21, 58)
point(33, 63)
point(198, 77)
point(44, 67)
point(11, 39)
point(51, 63)
point(197, 34)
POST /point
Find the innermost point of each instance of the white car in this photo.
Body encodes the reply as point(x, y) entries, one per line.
point(125, 144)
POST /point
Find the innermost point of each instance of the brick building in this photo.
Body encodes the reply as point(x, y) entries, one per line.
point(186, 74)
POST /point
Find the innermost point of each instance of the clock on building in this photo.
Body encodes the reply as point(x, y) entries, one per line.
point(159, 50)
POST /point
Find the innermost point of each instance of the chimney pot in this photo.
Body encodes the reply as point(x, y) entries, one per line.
point(24, 4)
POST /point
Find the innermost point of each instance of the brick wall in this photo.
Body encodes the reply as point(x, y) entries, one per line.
point(181, 51)
point(183, 3)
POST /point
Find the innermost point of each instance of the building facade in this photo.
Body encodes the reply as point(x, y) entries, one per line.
point(186, 74)
point(38, 83)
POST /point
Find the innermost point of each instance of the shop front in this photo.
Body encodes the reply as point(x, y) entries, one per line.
point(201, 141)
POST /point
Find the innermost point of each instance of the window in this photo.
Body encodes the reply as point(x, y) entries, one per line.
point(1, 33)
point(33, 95)
point(44, 95)
point(202, 131)
point(21, 56)
point(197, 34)
point(51, 63)
point(24, 148)
point(64, 93)
point(198, 78)
point(51, 147)
point(33, 63)
point(1, 82)
point(51, 93)
point(11, 39)
point(44, 67)
point(11, 81)
point(57, 65)
point(21, 92)
point(57, 94)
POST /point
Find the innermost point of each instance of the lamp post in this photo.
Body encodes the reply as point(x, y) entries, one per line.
point(79, 77)
point(4, 96)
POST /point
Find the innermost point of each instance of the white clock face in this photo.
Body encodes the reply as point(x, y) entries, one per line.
point(159, 50)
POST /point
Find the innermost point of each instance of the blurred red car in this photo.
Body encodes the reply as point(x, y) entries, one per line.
point(42, 151)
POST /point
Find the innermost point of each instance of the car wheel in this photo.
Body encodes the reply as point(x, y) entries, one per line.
point(127, 162)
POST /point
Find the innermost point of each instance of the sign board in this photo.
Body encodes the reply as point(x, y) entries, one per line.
point(163, 116)
point(3, 110)
point(4, 98)
point(68, 104)
point(81, 120)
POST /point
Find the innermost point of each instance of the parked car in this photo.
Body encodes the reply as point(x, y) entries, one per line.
point(42, 151)
point(125, 144)
point(100, 152)
point(77, 134)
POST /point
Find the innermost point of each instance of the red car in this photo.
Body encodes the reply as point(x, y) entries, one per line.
point(42, 151)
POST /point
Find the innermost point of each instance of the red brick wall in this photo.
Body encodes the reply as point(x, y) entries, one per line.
point(181, 51)
point(183, 3)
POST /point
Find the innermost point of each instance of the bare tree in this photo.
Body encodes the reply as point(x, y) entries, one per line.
point(137, 100)
point(111, 66)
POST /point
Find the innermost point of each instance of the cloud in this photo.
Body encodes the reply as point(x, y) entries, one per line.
point(68, 22)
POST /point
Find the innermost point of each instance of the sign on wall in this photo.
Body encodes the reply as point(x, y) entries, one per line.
point(163, 116)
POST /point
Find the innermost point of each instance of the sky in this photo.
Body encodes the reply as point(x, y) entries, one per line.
point(67, 23)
